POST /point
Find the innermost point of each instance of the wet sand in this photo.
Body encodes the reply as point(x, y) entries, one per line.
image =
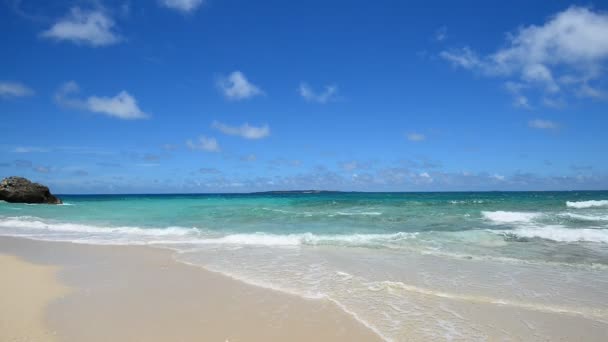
point(69, 292)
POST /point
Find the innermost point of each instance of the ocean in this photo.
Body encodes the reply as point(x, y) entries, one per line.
point(429, 263)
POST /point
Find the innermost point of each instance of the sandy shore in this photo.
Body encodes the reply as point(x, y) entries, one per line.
point(26, 290)
point(68, 292)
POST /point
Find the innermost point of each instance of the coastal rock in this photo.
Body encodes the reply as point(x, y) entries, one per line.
point(21, 190)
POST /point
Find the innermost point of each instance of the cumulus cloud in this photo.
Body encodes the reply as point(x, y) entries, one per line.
point(122, 106)
point(543, 124)
point(329, 94)
point(245, 130)
point(14, 89)
point(236, 87)
point(516, 89)
point(565, 55)
point(94, 28)
point(184, 6)
point(204, 144)
point(413, 136)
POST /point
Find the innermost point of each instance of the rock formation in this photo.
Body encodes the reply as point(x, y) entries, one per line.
point(21, 190)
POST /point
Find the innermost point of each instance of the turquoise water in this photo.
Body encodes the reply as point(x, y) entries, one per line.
point(362, 248)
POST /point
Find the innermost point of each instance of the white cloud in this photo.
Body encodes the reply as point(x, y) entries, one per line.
point(249, 158)
point(185, 6)
point(204, 144)
point(42, 169)
point(14, 89)
point(122, 105)
point(209, 171)
point(330, 93)
point(441, 34)
point(498, 177)
point(28, 149)
point(245, 130)
point(93, 28)
point(564, 55)
point(464, 58)
point(415, 136)
point(350, 166)
point(236, 86)
point(586, 90)
point(543, 124)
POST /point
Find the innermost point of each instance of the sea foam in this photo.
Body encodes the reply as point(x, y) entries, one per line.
point(560, 234)
point(500, 217)
point(587, 204)
point(27, 225)
point(585, 217)
point(34, 223)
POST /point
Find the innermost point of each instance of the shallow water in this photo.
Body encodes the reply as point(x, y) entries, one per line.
point(405, 264)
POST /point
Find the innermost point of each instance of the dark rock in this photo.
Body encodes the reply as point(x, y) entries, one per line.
point(21, 190)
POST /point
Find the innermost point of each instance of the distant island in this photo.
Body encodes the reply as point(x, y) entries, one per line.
point(285, 192)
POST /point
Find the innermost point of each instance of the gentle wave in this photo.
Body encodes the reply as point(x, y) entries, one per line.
point(585, 217)
point(29, 222)
point(588, 312)
point(509, 216)
point(23, 225)
point(324, 213)
point(587, 204)
point(362, 213)
point(89, 234)
point(468, 202)
point(559, 234)
point(264, 239)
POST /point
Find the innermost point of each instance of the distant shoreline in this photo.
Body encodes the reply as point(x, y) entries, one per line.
point(319, 192)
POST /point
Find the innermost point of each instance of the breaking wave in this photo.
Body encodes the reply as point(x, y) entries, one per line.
point(559, 234)
point(501, 217)
point(587, 204)
point(37, 228)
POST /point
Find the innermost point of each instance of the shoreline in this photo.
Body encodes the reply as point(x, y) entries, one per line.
point(141, 293)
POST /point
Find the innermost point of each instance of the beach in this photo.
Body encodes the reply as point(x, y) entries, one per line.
point(325, 266)
point(398, 171)
point(67, 292)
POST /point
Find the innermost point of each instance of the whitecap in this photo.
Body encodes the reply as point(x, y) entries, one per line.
point(78, 232)
point(500, 217)
point(587, 204)
point(560, 234)
point(34, 223)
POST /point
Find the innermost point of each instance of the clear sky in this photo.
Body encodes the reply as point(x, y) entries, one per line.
point(234, 96)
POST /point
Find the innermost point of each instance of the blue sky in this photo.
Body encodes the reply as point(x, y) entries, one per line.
point(234, 96)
